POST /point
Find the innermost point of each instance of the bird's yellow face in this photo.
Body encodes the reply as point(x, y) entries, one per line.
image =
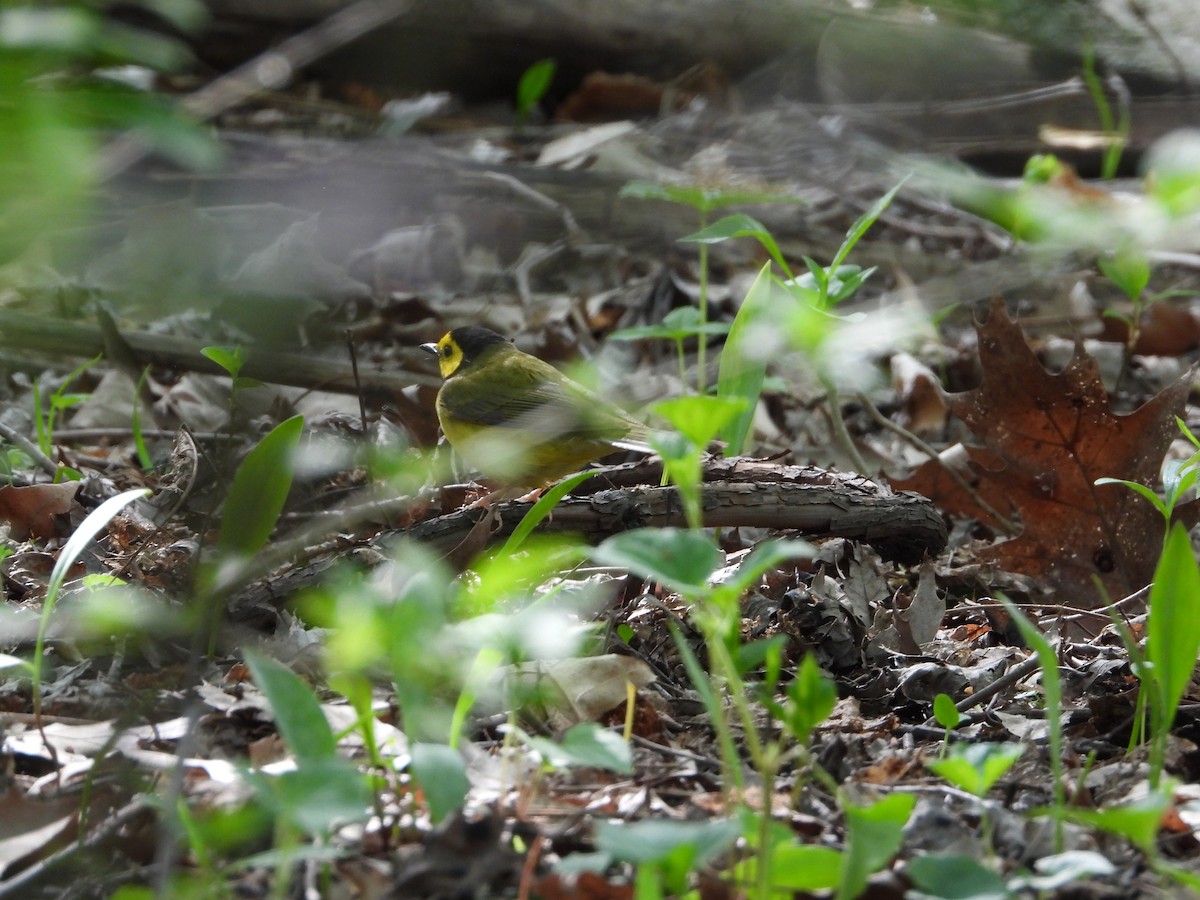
point(449, 354)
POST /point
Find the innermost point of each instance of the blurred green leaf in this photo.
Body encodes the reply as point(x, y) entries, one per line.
point(736, 226)
point(534, 83)
point(442, 774)
point(259, 490)
point(811, 697)
point(873, 836)
point(700, 199)
point(1128, 270)
point(318, 796)
point(676, 558)
point(743, 365)
point(1172, 635)
point(976, 767)
point(699, 419)
point(652, 841)
point(954, 877)
point(586, 744)
point(679, 324)
point(945, 712)
point(298, 715)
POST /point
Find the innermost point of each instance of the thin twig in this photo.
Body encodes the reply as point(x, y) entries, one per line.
point(267, 71)
point(840, 430)
point(21, 884)
point(30, 449)
point(1006, 526)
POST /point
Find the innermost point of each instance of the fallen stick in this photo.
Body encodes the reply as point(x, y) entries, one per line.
point(62, 338)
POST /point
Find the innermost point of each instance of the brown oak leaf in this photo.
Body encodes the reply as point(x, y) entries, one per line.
point(37, 510)
point(1046, 439)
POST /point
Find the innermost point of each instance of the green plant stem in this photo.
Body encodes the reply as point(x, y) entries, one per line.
point(765, 762)
point(702, 339)
point(839, 427)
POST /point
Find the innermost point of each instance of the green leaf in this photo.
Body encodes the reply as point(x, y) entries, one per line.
point(653, 840)
point(1138, 822)
point(702, 200)
point(811, 698)
point(534, 83)
point(767, 556)
point(736, 226)
point(321, 795)
point(540, 510)
point(1172, 635)
point(805, 867)
point(976, 767)
point(1140, 489)
point(954, 877)
point(677, 325)
point(1129, 270)
point(862, 224)
point(743, 365)
point(945, 711)
point(586, 744)
point(231, 359)
point(260, 488)
point(699, 419)
point(873, 836)
point(298, 715)
point(676, 558)
point(442, 774)
point(753, 654)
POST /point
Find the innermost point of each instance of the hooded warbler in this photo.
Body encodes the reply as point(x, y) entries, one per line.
point(518, 419)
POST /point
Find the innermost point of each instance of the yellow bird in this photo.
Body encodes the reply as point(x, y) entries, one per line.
point(518, 419)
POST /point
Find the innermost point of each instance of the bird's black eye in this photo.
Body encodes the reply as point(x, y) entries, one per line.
point(447, 351)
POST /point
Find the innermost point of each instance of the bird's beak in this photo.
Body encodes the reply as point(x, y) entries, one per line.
point(430, 348)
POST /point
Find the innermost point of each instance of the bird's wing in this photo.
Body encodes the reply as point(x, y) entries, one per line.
point(548, 406)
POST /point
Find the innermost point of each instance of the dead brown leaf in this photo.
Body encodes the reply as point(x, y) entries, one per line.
point(1046, 439)
point(32, 511)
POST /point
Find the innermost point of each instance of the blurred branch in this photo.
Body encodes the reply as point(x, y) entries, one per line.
point(270, 70)
point(54, 336)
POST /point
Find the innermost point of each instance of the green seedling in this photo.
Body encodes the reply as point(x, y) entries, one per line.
point(684, 561)
point(874, 834)
point(542, 508)
point(441, 772)
point(1172, 640)
point(789, 865)
point(1139, 823)
point(743, 366)
point(1179, 480)
point(948, 876)
point(946, 714)
point(677, 326)
point(259, 490)
point(1116, 132)
point(975, 768)
point(532, 87)
point(665, 853)
point(1053, 698)
point(46, 414)
point(697, 420)
point(1172, 174)
point(584, 744)
point(705, 201)
point(321, 793)
point(87, 531)
point(1129, 270)
point(139, 439)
